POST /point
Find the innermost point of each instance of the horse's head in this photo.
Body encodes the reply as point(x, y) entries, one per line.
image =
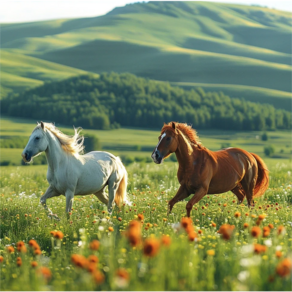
point(37, 143)
point(167, 144)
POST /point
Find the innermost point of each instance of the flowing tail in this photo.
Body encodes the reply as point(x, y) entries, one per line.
point(121, 194)
point(263, 177)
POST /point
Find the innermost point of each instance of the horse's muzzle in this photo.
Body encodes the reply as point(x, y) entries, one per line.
point(26, 156)
point(156, 157)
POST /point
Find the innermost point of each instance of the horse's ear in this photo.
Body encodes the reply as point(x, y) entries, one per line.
point(173, 125)
point(42, 125)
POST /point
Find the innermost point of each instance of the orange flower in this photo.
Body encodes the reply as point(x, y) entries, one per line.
point(79, 261)
point(245, 225)
point(284, 268)
point(45, 272)
point(53, 233)
point(98, 277)
point(213, 224)
point(1, 259)
point(91, 268)
point(94, 244)
point(110, 229)
point(256, 231)
point(37, 252)
point(93, 259)
point(10, 249)
point(278, 254)
point(59, 235)
point(266, 231)
point(34, 244)
point(165, 240)
point(134, 233)
point(281, 229)
point(246, 214)
point(120, 219)
point(262, 217)
point(237, 214)
point(141, 217)
point(151, 247)
point(34, 264)
point(19, 261)
point(186, 222)
point(271, 226)
point(226, 231)
point(21, 247)
point(192, 235)
point(258, 248)
point(122, 273)
point(200, 231)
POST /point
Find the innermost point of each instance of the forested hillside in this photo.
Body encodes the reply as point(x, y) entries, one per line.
point(114, 100)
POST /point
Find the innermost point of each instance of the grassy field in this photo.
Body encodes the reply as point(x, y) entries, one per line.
point(165, 258)
point(197, 42)
point(140, 143)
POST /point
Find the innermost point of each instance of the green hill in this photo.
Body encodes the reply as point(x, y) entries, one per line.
point(234, 46)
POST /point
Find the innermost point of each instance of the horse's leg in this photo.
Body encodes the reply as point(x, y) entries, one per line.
point(50, 192)
point(200, 193)
point(113, 185)
point(101, 195)
point(69, 194)
point(239, 193)
point(248, 183)
point(181, 194)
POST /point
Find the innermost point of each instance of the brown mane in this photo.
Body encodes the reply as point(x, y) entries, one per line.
point(187, 130)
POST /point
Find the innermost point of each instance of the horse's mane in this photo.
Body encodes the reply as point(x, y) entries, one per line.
point(70, 144)
point(187, 131)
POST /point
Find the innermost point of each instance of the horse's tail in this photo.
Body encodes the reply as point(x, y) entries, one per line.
point(121, 194)
point(263, 177)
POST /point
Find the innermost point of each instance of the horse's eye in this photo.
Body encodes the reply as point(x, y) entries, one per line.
point(168, 138)
point(37, 138)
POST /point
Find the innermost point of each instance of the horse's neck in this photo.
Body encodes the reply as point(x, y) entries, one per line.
point(55, 154)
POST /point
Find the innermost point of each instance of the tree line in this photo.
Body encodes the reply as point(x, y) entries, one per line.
point(113, 100)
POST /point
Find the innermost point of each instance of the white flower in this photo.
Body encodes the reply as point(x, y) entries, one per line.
point(101, 228)
point(278, 247)
point(268, 242)
point(254, 261)
point(247, 248)
point(243, 275)
point(103, 220)
point(79, 243)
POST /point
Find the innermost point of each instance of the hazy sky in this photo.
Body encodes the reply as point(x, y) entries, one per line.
point(33, 10)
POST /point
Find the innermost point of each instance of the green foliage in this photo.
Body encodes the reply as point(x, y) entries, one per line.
point(265, 136)
point(91, 143)
point(269, 150)
point(14, 142)
point(124, 99)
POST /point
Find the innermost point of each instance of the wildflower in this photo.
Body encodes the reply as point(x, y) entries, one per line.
point(258, 248)
point(10, 249)
point(165, 240)
point(255, 231)
point(226, 231)
point(93, 259)
point(213, 224)
point(246, 214)
point(98, 277)
point(266, 231)
point(120, 219)
point(237, 214)
point(59, 235)
point(134, 233)
point(211, 252)
point(151, 247)
point(186, 222)
point(91, 268)
point(140, 217)
point(37, 252)
point(200, 231)
point(53, 233)
point(1, 259)
point(45, 272)
point(278, 254)
point(21, 246)
point(34, 264)
point(34, 244)
point(281, 230)
point(110, 229)
point(245, 225)
point(192, 235)
point(284, 268)
point(271, 226)
point(94, 244)
point(122, 278)
point(19, 261)
point(79, 261)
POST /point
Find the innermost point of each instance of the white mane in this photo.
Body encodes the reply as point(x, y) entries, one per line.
point(70, 144)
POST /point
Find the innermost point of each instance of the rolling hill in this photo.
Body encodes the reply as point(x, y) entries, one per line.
point(242, 49)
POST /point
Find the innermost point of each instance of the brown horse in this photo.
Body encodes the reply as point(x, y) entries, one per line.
point(202, 171)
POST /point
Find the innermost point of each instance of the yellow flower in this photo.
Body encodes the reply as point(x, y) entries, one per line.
point(211, 252)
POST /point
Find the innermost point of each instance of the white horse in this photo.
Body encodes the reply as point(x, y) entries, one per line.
point(70, 173)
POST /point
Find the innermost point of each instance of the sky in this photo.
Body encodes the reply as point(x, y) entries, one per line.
point(35, 10)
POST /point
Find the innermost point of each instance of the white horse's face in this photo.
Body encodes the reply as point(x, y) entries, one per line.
point(37, 143)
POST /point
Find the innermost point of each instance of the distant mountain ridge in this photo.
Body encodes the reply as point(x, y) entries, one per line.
point(181, 42)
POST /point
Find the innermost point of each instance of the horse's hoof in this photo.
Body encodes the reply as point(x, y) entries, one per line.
point(54, 216)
